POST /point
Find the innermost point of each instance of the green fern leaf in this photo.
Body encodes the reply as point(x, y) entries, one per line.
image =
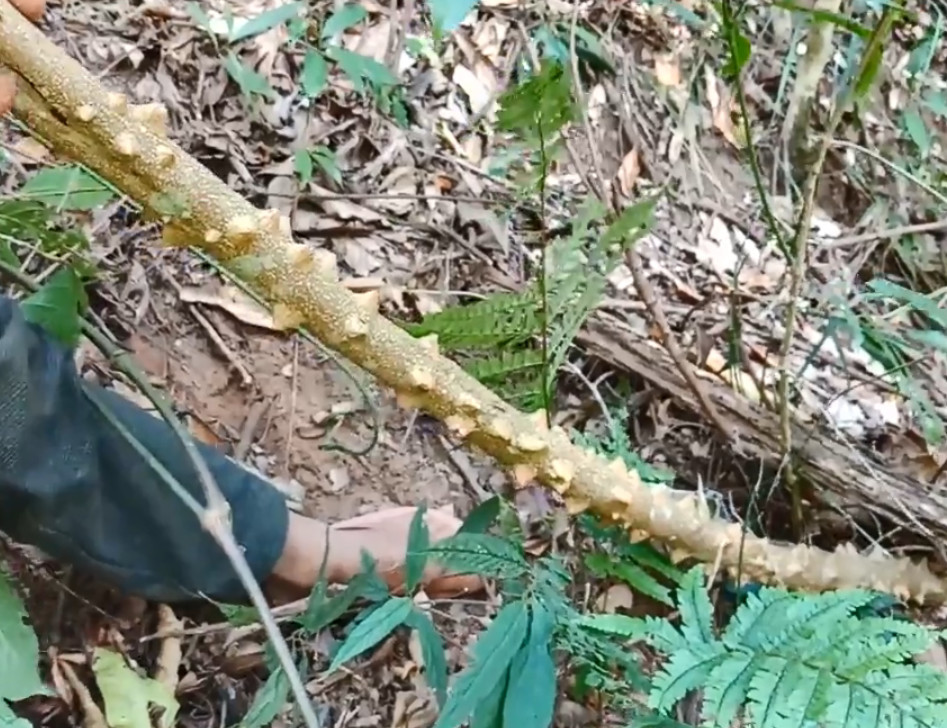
point(480, 553)
point(432, 652)
point(696, 609)
point(372, 630)
point(531, 696)
point(726, 692)
point(504, 364)
point(685, 671)
point(503, 319)
point(492, 654)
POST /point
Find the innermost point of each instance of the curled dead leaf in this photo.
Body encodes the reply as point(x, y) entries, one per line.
point(667, 70)
point(628, 172)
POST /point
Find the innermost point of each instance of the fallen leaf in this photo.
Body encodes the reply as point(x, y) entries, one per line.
point(477, 92)
point(628, 172)
point(128, 696)
point(617, 596)
point(343, 209)
point(667, 71)
point(233, 301)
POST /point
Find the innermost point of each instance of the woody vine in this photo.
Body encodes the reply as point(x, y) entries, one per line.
point(79, 119)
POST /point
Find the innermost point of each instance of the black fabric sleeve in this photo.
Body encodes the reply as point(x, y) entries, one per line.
point(71, 484)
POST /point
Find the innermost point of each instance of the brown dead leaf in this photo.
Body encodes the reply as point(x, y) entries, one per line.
point(233, 301)
point(617, 597)
point(475, 85)
point(722, 105)
point(413, 711)
point(628, 172)
point(344, 209)
point(667, 70)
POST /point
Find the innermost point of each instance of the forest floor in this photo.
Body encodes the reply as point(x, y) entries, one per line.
point(422, 211)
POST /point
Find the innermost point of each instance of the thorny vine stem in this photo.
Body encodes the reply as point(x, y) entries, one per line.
point(799, 245)
point(215, 516)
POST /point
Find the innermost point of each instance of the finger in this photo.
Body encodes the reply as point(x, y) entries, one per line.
point(32, 9)
point(7, 92)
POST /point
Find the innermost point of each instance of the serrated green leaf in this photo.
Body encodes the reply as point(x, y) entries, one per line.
point(531, 696)
point(449, 14)
point(633, 222)
point(325, 158)
point(475, 553)
point(265, 21)
point(269, 701)
point(618, 624)
point(128, 696)
point(321, 612)
point(489, 714)
point(66, 187)
point(57, 306)
point(302, 163)
point(360, 69)
point(19, 648)
point(482, 517)
point(344, 18)
point(315, 73)
point(250, 82)
point(432, 652)
point(695, 607)
point(372, 630)
point(493, 653)
point(238, 615)
point(419, 539)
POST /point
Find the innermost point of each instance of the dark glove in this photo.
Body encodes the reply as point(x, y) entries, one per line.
point(72, 485)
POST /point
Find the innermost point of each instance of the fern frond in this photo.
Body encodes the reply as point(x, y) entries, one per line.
point(501, 320)
point(793, 659)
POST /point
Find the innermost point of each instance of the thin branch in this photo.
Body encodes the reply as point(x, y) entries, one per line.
point(215, 516)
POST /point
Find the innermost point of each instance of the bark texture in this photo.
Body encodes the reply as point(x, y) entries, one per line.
point(78, 118)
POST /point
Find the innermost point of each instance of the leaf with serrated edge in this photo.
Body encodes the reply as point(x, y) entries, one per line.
point(492, 654)
point(477, 553)
point(268, 701)
point(432, 652)
point(481, 518)
point(19, 649)
point(372, 630)
point(531, 696)
point(419, 539)
point(489, 714)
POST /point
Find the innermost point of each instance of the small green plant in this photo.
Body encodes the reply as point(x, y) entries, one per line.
point(516, 342)
point(306, 162)
point(19, 656)
point(321, 53)
point(789, 658)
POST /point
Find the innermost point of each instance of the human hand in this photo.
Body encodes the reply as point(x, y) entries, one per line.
point(32, 9)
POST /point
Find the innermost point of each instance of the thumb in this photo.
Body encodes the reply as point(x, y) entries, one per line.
point(7, 92)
